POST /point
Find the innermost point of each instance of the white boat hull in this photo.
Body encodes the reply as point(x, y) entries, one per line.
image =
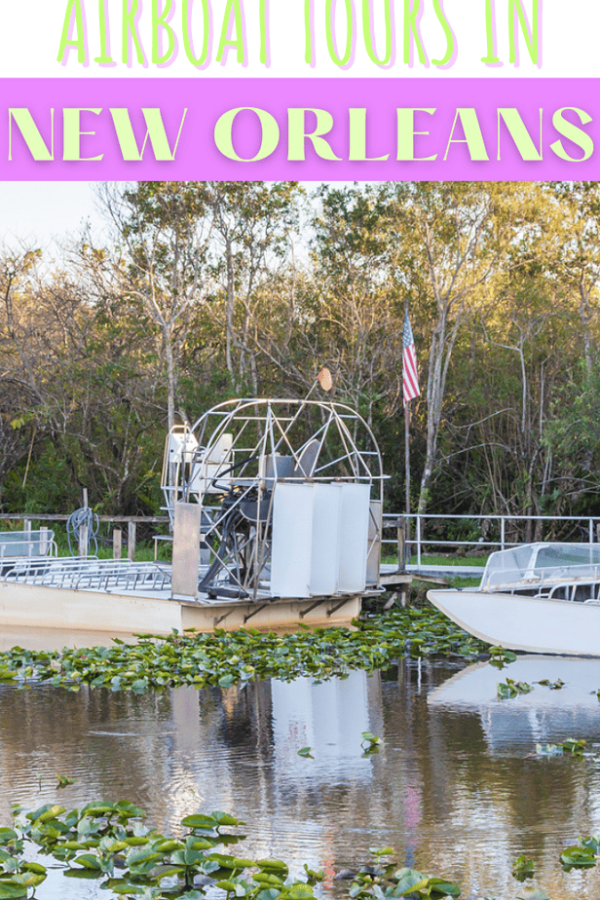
point(518, 622)
point(31, 606)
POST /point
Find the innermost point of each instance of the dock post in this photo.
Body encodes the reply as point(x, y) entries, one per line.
point(131, 541)
point(401, 545)
point(83, 530)
point(117, 543)
point(83, 540)
point(27, 530)
point(186, 549)
point(44, 543)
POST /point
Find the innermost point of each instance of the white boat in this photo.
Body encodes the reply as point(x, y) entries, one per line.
point(540, 598)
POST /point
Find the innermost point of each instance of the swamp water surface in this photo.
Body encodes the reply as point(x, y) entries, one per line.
point(456, 789)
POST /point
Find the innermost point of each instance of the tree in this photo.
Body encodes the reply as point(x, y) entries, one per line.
point(450, 239)
point(161, 232)
point(252, 222)
point(353, 317)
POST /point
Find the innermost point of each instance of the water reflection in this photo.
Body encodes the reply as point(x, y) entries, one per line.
point(544, 715)
point(30, 638)
point(455, 788)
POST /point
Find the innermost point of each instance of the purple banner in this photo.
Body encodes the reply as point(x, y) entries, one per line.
point(301, 129)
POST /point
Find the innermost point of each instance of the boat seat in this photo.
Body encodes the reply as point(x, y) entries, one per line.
point(283, 464)
point(307, 461)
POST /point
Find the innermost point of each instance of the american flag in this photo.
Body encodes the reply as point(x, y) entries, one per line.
point(410, 380)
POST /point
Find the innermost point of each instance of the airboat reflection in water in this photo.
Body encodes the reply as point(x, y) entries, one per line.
point(562, 702)
point(276, 513)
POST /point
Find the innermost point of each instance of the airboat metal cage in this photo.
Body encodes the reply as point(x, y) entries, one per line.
point(287, 497)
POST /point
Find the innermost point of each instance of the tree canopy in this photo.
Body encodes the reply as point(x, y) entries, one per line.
point(202, 291)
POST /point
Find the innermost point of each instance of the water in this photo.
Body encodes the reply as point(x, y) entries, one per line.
point(456, 789)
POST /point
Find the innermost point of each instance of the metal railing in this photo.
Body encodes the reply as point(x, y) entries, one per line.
point(27, 543)
point(494, 535)
point(89, 573)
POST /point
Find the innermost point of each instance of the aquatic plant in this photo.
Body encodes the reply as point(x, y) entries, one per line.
point(384, 882)
point(370, 743)
point(305, 752)
point(64, 781)
point(553, 685)
point(500, 657)
point(574, 746)
point(109, 842)
point(580, 856)
point(523, 868)
point(532, 893)
point(227, 658)
point(512, 688)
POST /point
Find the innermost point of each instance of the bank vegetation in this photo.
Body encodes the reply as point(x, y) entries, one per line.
point(198, 292)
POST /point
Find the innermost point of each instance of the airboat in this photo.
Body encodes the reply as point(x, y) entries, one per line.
point(539, 598)
point(275, 509)
point(275, 500)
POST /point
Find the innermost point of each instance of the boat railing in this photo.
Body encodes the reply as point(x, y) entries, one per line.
point(85, 573)
point(570, 590)
point(509, 580)
point(18, 544)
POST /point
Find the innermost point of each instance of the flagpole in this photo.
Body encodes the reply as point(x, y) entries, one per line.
point(407, 462)
point(410, 390)
point(407, 478)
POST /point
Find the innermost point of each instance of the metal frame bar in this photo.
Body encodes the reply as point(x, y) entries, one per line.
point(337, 606)
point(255, 612)
point(305, 612)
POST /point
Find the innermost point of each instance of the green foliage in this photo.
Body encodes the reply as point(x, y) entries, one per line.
point(305, 752)
point(532, 893)
point(501, 657)
point(523, 868)
point(50, 486)
point(553, 685)
point(384, 882)
point(370, 743)
point(574, 746)
point(228, 658)
point(109, 842)
point(204, 291)
point(512, 688)
point(578, 857)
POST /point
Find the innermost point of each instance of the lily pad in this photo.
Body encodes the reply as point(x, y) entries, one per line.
point(512, 688)
point(64, 780)
point(578, 857)
point(305, 752)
